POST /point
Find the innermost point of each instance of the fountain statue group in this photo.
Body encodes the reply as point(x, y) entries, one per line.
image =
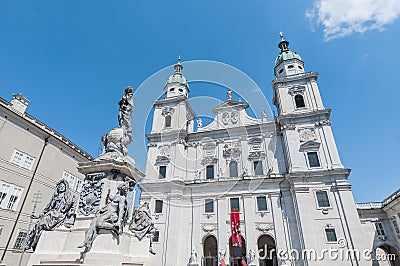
point(114, 215)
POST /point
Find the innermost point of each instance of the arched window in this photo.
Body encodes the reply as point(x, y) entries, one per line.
point(233, 169)
point(299, 101)
point(168, 121)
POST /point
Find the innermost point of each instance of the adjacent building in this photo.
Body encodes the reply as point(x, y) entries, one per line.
point(33, 158)
point(284, 176)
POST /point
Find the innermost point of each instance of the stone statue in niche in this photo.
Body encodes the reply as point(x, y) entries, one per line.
point(199, 123)
point(112, 217)
point(116, 142)
point(89, 199)
point(229, 94)
point(142, 224)
point(60, 210)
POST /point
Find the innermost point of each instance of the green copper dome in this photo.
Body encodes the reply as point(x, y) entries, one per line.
point(285, 54)
point(177, 76)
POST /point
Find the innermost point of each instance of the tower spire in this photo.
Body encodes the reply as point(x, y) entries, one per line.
point(178, 66)
point(283, 45)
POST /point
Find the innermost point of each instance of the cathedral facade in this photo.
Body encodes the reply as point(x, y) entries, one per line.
point(283, 177)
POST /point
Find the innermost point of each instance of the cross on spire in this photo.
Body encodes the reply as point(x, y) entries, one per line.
point(281, 35)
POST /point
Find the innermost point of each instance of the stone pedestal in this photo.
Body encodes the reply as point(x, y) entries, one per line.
point(60, 246)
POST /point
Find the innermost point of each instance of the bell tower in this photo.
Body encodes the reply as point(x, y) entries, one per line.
point(173, 112)
point(302, 117)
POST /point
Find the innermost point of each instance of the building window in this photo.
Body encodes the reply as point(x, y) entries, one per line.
point(396, 226)
point(258, 170)
point(14, 197)
point(209, 206)
point(162, 172)
point(19, 242)
point(234, 204)
point(22, 159)
point(159, 206)
point(210, 172)
point(4, 190)
point(261, 203)
point(330, 235)
point(233, 169)
point(322, 199)
point(168, 121)
point(28, 162)
point(299, 100)
point(379, 229)
point(313, 160)
point(156, 236)
point(17, 157)
point(69, 178)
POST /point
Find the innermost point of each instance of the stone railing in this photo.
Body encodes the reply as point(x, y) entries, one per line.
point(369, 205)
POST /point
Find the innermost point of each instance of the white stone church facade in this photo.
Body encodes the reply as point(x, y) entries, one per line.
point(284, 176)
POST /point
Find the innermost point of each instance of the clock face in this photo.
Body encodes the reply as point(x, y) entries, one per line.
point(225, 118)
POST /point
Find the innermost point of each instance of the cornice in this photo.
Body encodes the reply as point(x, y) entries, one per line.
point(320, 173)
point(307, 75)
point(319, 116)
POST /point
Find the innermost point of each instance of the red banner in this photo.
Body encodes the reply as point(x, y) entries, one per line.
point(235, 227)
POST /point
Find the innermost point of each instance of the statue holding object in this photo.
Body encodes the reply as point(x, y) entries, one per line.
point(60, 210)
point(116, 142)
point(112, 216)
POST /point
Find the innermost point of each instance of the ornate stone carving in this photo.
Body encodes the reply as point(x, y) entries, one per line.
point(256, 155)
point(288, 127)
point(112, 217)
point(164, 150)
point(232, 117)
point(167, 111)
point(60, 210)
point(264, 227)
point(208, 147)
point(89, 199)
point(209, 160)
point(325, 122)
point(142, 224)
point(255, 144)
point(208, 228)
point(297, 89)
point(307, 134)
point(116, 142)
point(231, 149)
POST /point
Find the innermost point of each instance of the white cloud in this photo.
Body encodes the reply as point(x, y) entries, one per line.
point(343, 17)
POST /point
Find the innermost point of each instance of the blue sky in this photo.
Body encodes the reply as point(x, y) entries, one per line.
point(73, 59)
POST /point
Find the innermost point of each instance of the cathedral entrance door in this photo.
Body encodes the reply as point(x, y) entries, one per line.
point(267, 251)
point(210, 249)
point(237, 254)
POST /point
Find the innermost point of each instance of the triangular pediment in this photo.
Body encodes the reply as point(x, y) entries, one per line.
point(310, 145)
